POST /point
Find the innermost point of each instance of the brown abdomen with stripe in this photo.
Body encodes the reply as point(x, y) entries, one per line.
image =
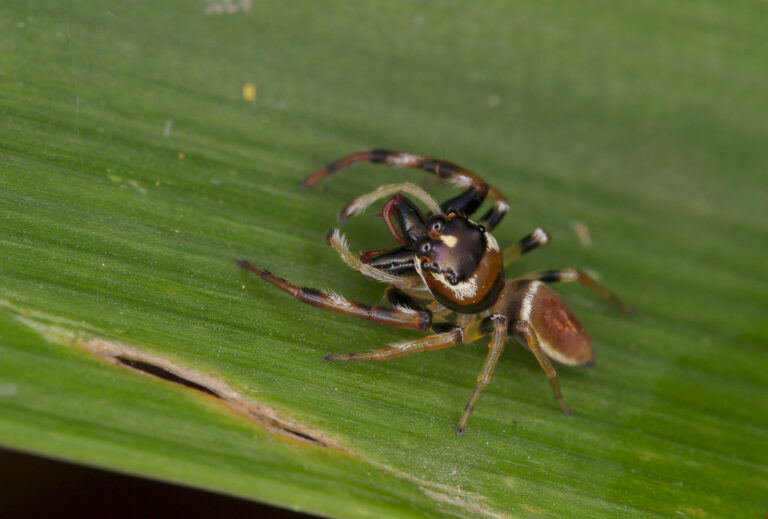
point(561, 336)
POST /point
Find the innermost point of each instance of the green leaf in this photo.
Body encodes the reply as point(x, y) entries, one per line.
point(136, 165)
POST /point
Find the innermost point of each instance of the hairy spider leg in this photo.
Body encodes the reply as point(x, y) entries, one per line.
point(527, 333)
point(499, 335)
point(476, 188)
point(438, 341)
point(570, 275)
point(394, 317)
point(434, 342)
point(538, 238)
point(359, 204)
point(337, 241)
point(398, 298)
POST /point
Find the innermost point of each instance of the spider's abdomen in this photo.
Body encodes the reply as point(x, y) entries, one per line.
point(560, 334)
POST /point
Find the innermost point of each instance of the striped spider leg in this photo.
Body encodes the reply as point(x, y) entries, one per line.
point(495, 325)
point(476, 188)
point(398, 317)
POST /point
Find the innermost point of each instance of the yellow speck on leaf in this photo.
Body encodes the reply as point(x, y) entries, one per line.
point(249, 92)
point(181, 155)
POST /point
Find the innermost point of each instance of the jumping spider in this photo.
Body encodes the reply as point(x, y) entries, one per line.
point(457, 264)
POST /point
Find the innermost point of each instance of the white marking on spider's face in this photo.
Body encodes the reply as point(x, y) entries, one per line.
point(527, 304)
point(459, 181)
point(450, 241)
point(466, 289)
point(403, 159)
point(491, 242)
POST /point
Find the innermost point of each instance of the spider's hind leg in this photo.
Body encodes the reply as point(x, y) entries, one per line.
point(529, 338)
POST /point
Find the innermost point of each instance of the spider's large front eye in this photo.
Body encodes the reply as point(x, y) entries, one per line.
point(425, 247)
point(437, 226)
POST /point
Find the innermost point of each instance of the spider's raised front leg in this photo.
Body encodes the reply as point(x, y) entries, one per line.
point(361, 203)
point(395, 317)
point(476, 188)
point(570, 275)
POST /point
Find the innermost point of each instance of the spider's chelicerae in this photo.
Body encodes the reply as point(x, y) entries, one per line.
point(457, 266)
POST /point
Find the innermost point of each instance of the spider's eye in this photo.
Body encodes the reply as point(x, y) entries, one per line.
point(425, 247)
point(437, 225)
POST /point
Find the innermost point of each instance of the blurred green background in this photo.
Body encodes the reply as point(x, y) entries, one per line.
point(136, 164)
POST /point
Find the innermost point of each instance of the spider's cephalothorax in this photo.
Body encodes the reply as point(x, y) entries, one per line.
point(461, 263)
point(458, 265)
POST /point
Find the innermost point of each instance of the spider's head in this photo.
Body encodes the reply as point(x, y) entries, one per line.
point(460, 262)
